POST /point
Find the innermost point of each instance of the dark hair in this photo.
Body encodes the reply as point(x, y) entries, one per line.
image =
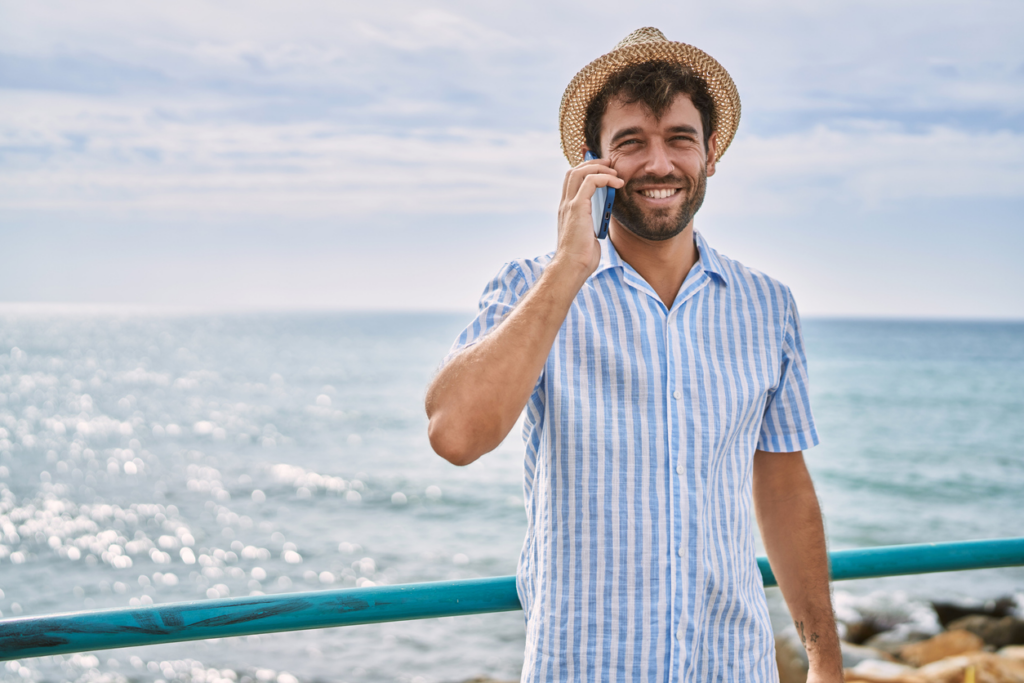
point(656, 84)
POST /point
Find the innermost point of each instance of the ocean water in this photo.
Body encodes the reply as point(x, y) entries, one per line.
point(148, 459)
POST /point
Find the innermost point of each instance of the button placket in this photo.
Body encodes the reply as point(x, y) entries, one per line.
point(672, 415)
point(673, 395)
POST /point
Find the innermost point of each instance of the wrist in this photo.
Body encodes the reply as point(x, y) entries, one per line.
point(572, 272)
point(825, 659)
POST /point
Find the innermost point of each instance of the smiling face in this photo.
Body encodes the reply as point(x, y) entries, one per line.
point(663, 162)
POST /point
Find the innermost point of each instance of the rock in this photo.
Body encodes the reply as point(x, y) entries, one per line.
point(891, 642)
point(861, 617)
point(855, 654)
point(988, 668)
point(859, 632)
point(874, 671)
point(1012, 651)
point(941, 646)
point(791, 658)
point(1000, 632)
point(948, 612)
point(951, 669)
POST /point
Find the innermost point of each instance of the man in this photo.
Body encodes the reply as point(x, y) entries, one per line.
point(665, 389)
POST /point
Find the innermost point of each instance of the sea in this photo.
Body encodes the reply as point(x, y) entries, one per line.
point(148, 458)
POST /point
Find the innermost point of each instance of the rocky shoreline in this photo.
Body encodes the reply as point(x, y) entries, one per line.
point(887, 638)
point(899, 641)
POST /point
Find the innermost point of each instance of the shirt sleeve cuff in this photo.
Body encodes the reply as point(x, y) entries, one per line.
point(788, 443)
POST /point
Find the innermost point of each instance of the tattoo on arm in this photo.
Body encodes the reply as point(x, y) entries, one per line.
point(803, 637)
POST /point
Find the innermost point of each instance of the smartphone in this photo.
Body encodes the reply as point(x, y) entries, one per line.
point(601, 206)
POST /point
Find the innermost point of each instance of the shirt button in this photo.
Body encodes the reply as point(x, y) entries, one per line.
point(679, 634)
point(679, 469)
point(677, 394)
point(679, 552)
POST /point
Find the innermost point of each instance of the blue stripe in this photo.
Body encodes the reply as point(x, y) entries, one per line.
point(607, 594)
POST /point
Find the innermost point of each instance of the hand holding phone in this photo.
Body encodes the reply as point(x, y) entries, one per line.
point(601, 206)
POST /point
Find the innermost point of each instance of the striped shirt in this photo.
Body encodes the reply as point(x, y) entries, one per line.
point(639, 559)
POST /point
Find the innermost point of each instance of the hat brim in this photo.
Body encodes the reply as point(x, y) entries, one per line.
point(589, 81)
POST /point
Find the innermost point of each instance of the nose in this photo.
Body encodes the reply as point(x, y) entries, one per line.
point(658, 162)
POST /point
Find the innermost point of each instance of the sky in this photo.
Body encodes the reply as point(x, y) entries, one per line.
point(392, 155)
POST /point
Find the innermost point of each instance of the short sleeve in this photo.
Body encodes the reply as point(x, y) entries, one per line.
point(496, 303)
point(788, 425)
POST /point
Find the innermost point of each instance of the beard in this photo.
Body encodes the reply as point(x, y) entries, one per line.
point(659, 224)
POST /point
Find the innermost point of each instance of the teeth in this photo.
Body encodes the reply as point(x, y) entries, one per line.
point(659, 194)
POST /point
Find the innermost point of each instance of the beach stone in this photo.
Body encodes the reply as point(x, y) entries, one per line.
point(855, 654)
point(948, 612)
point(875, 671)
point(988, 668)
point(891, 642)
point(999, 632)
point(1012, 651)
point(947, 644)
point(791, 657)
point(859, 632)
point(859, 623)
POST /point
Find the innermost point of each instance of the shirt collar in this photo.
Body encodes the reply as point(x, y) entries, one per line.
point(708, 257)
point(609, 257)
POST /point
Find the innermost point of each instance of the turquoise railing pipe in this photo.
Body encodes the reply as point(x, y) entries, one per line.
point(174, 622)
point(200, 619)
point(920, 558)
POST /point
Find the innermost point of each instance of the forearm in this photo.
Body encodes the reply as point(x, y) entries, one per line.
point(791, 526)
point(475, 400)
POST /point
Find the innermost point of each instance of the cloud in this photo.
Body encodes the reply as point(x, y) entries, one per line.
point(151, 116)
point(124, 155)
point(867, 165)
point(70, 152)
point(438, 29)
point(75, 73)
point(797, 65)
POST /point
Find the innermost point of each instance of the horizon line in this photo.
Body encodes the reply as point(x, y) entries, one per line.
point(30, 308)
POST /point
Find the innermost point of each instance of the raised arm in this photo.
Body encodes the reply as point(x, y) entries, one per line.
point(475, 400)
point(794, 537)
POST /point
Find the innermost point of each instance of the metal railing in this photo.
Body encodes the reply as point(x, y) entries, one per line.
point(174, 622)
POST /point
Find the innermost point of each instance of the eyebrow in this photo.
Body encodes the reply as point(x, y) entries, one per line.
point(624, 133)
point(636, 130)
point(683, 129)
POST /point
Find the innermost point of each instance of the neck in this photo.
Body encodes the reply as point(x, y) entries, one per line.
point(664, 265)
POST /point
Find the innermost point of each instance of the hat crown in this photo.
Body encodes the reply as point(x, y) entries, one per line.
point(648, 34)
point(646, 44)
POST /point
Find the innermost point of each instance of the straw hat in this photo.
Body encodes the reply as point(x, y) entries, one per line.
point(644, 45)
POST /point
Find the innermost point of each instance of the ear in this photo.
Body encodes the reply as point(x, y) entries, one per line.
point(712, 153)
point(583, 151)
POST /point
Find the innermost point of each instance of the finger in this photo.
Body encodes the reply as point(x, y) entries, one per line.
point(577, 175)
point(592, 181)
